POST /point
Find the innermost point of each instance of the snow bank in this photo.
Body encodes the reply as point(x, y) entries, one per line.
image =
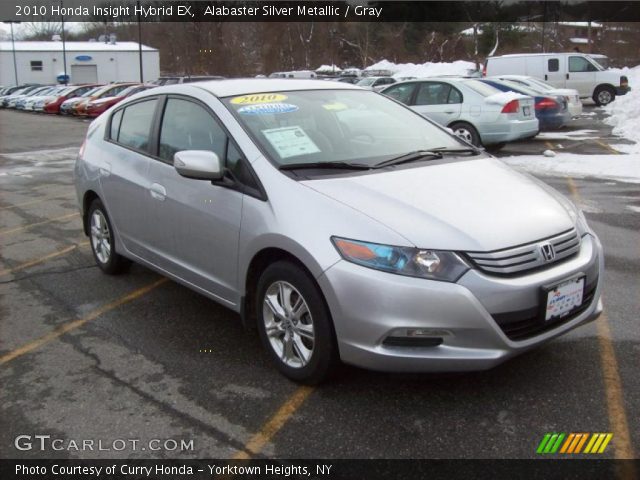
point(625, 110)
point(428, 69)
point(625, 168)
point(502, 98)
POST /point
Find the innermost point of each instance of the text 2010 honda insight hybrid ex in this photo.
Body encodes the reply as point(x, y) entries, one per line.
point(341, 223)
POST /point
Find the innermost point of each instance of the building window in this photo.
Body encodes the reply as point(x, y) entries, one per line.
point(36, 65)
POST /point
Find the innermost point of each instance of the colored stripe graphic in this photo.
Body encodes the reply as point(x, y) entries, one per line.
point(572, 443)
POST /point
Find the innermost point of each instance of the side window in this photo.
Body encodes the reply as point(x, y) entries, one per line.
point(188, 126)
point(402, 93)
point(115, 125)
point(433, 94)
point(580, 64)
point(135, 125)
point(553, 64)
point(455, 96)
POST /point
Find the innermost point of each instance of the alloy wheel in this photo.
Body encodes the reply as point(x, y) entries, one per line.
point(288, 324)
point(100, 237)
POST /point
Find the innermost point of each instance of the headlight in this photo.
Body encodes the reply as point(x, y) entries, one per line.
point(409, 261)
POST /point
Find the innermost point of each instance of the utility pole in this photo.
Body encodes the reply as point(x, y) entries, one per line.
point(13, 48)
point(140, 43)
point(64, 49)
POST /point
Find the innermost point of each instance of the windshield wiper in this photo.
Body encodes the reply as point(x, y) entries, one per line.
point(474, 151)
point(328, 165)
point(410, 157)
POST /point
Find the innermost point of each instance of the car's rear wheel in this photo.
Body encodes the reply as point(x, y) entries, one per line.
point(467, 132)
point(102, 241)
point(604, 95)
point(294, 323)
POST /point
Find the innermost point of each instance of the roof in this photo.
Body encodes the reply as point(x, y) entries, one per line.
point(245, 86)
point(74, 47)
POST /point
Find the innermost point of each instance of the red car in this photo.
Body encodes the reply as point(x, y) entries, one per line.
point(99, 105)
point(53, 106)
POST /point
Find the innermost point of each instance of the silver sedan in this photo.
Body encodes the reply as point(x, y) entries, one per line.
point(341, 224)
point(477, 112)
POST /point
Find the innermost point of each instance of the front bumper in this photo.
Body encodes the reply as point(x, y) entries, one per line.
point(368, 307)
point(622, 90)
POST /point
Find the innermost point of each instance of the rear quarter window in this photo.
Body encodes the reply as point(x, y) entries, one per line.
point(135, 124)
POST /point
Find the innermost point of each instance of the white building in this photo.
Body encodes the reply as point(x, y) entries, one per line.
point(87, 62)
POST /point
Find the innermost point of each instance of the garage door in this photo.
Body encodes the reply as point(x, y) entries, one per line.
point(84, 73)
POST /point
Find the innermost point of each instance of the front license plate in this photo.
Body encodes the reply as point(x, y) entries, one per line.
point(564, 298)
point(526, 111)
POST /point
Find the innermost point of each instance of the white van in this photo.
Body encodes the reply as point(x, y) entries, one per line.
point(294, 74)
point(563, 70)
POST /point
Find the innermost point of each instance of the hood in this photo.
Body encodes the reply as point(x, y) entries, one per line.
point(474, 205)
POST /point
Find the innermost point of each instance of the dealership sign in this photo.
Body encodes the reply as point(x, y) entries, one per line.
point(83, 58)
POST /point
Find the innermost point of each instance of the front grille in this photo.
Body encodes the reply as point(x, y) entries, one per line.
point(524, 324)
point(526, 257)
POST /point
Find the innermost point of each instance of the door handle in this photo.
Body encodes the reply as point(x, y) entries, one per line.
point(567, 76)
point(449, 113)
point(546, 77)
point(158, 192)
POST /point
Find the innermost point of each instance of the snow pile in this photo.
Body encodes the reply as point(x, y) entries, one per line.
point(328, 69)
point(502, 98)
point(624, 168)
point(625, 110)
point(428, 69)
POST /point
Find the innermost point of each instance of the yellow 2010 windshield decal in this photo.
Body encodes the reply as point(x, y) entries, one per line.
point(258, 98)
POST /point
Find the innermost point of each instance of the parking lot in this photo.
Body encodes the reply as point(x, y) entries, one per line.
point(88, 356)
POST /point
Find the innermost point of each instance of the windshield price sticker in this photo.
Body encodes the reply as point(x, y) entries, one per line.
point(258, 98)
point(290, 141)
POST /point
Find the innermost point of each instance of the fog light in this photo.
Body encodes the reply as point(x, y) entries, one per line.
point(426, 332)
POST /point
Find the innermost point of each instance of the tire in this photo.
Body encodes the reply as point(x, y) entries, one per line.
point(467, 132)
point(102, 242)
point(604, 95)
point(302, 345)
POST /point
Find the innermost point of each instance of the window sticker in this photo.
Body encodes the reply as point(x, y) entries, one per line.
point(334, 106)
point(258, 98)
point(267, 108)
point(290, 141)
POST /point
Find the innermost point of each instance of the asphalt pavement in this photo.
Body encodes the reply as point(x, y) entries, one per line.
point(85, 356)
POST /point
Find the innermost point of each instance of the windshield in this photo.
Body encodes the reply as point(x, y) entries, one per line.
point(518, 88)
point(600, 61)
point(91, 92)
point(544, 85)
point(320, 126)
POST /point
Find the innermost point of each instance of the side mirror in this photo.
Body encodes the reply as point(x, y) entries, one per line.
point(198, 164)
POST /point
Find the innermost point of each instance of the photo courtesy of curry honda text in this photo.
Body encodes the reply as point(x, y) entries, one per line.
point(342, 224)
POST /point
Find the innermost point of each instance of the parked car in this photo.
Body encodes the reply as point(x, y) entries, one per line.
point(100, 105)
point(552, 111)
point(171, 80)
point(17, 94)
point(574, 104)
point(352, 80)
point(375, 83)
point(563, 70)
point(113, 89)
point(18, 101)
point(31, 102)
point(473, 110)
point(338, 222)
point(67, 106)
point(53, 103)
point(14, 90)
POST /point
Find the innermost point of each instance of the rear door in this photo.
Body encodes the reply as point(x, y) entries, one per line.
point(123, 173)
point(402, 92)
point(555, 70)
point(438, 101)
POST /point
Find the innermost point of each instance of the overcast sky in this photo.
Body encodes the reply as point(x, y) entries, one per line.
point(19, 28)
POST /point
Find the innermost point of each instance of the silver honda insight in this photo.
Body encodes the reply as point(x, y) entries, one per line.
point(340, 223)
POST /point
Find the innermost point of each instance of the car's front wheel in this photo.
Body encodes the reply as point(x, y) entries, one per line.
point(294, 323)
point(102, 241)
